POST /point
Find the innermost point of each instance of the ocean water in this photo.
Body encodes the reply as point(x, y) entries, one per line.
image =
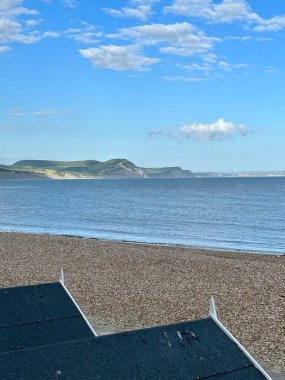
point(233, 213)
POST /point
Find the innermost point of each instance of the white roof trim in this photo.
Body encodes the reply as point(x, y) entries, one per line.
point(212, 309)
point(61, 276)
point(61, 281)
point(213, 316)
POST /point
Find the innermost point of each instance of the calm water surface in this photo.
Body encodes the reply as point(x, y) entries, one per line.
point(235, 213)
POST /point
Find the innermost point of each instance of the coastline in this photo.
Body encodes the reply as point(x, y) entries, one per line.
point(125, 285)
point(162, 244)
point(174, 245)
point(55, 177)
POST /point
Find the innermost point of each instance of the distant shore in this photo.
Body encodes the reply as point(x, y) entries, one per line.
point(56, 177)
point(123, 286)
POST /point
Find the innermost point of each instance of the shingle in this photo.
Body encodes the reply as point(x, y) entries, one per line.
point(34, 303)
point(38, 334)
point(191, 350)
point(32, 316)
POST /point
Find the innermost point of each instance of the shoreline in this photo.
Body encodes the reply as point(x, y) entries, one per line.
point(55, 178)
point(185, 246)
point(123, 286)
point(137, 242)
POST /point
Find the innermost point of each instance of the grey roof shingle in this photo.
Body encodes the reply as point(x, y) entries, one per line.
point(38, 315)
point(191, 350)
point(25, 304)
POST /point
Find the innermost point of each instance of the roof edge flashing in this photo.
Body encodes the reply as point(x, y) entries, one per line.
point(77, 306)
point(247, 354)
point(212, 309)
point(61, 276)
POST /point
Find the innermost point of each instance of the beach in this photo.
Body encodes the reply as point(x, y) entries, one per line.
point(122, 286)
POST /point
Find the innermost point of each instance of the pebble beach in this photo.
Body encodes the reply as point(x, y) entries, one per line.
point(122, 286)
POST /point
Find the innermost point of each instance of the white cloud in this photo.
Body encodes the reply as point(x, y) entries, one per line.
point(164, 132)
point(70, 3)
point(118, 58)
point(196, 67)
point(224, 66)
point(12, 31)
point(211, 67)
point(50, 112)
point(219, 130)
point(210, 58)
point(4, 49)
point(226, 11)
point(6, 4)
point(271, 70)
point(144, 2)
point(13, 24)
point(238, 38)
point(88, 26)
point(33, 22)
point(87, 34)
point(86, 37)
point(179, 38)
point(17, 112)
point(264, 39)
point(184, 79)
point(10, 8)
point(138, 9)
point(273, 24)
point(241, 65)
point(141, 12)
point(49, 34)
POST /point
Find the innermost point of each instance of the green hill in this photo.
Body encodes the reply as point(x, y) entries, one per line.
point(8, 173)
point(114, 168)
point(53, 164)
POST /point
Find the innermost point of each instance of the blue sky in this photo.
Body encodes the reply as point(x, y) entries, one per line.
point(194, 83)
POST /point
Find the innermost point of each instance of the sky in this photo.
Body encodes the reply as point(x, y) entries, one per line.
point(198, 84)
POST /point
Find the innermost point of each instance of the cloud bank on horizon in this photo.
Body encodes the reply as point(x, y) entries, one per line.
point(199, 53)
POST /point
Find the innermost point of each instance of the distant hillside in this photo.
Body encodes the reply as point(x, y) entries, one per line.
point(8, 173)
point(115, 168)
point(52, 164)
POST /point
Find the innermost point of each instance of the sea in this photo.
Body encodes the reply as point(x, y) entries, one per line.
point(246, 214)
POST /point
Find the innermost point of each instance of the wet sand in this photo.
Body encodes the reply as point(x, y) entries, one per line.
point(123, 286)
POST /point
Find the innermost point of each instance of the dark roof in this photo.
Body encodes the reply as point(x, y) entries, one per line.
point(190, 350)
point(37, 315)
